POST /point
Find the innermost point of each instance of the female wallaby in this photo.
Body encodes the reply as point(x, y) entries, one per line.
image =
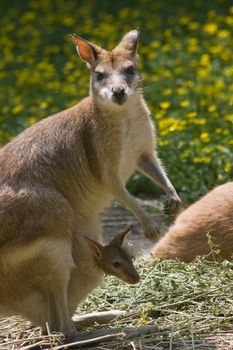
point(58, 175)
point(188, 237)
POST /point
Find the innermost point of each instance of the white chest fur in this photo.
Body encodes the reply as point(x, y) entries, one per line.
point(137, 139)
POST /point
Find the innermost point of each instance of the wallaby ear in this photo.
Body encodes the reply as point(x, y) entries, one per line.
point(96, 247)
point(119, 239)
point(86, 50)
point(129, 41)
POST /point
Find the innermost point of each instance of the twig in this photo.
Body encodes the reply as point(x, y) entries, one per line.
point(171, 338)
point(96, 340)
point(49, 335)
point(193, 342)
point(99, 317)
point(133, 345)
point(30, 346)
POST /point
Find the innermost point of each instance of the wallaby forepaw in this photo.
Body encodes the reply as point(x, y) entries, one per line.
point(172, 204)
point(151, 230)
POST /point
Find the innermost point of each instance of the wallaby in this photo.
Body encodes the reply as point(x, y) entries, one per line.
point(211, 215)
point(114, 260)
point(59, 174)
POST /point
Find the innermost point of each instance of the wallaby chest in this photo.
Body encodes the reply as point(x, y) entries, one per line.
point(137, 135)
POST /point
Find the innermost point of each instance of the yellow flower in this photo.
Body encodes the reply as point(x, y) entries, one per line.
point(166, 48)
point(193, 25)
point(155, 78)
point(205, 137)
point(229, 117)
point(43, 105)
point(215, 49)
point(203, 72)
point(167, 92)
point(184, 20)
point(155, 44)
point(193, 45)
point(229, 20)
point(192, 114)
point(201, 121)
point(31, 120)
point(223, 34)
point(165, 105)
point(229, 71)
point(162, 142)
point(227, 167)
point(186, 154)
point(201, 159)
point(18, 108)
point(180, 90)
point(210, 28)
point(205, 59)
point(207, 150)
point(219, 84)
point(212, 108)
point(184, 103)
point(152, 55)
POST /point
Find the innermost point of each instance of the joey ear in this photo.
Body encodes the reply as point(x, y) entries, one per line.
point(119, 239)
point(129, 41)
point(97, 248)
point(86, 50)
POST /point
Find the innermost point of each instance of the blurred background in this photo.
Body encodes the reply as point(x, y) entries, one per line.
point(186, 51)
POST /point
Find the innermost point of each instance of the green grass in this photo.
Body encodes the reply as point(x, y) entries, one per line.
point(186, 50)
point(190, 305)
point(186, 301)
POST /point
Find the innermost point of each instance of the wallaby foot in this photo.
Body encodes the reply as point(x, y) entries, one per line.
point(172, 203)
point(105, 335)
point(96, 337)
point(151, 228)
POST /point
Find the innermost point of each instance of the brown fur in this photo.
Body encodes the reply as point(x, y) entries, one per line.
point(187, 238)
point(114, 260)
point(58, 175)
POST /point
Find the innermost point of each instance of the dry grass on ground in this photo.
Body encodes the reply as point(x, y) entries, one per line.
point(191, 306)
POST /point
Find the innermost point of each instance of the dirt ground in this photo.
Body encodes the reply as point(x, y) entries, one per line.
point(116, 218)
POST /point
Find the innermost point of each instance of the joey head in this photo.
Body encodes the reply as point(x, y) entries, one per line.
point(114, 260)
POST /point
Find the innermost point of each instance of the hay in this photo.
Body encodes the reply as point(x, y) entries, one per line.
point(191, 305)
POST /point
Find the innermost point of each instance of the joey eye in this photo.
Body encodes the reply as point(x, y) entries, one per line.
point(99, 76)
point(116, 264)
point(130, 70)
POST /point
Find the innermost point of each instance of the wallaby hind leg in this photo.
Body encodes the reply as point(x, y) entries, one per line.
point(46, 274)
point(59, 316)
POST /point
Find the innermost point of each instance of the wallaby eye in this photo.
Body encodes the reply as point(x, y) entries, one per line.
point(116, 264)
point(99, 76)
point(130, 70)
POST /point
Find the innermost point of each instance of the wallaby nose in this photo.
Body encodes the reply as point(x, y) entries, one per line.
point(119, 92)
point(133, 279)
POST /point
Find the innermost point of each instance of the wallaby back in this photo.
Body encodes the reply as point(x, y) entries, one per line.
point(187, 238)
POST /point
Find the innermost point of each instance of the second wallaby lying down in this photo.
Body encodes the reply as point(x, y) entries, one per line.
point(187, 238)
